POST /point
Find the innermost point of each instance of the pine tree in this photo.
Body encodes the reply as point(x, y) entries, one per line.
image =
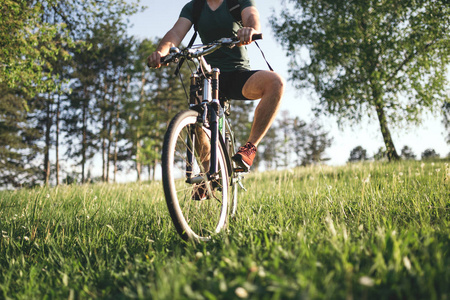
point(407, 153)
point(18, 140)
point(358, 154)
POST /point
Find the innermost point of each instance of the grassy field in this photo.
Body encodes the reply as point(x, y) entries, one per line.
point(363, 231)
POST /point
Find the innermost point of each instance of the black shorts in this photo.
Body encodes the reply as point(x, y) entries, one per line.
point(232, 83)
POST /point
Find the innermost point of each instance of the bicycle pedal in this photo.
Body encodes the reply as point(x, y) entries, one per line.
point(240, 170)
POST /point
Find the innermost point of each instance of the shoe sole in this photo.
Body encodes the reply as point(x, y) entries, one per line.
point(204, 198)
point(204, 195)
point(238, 159)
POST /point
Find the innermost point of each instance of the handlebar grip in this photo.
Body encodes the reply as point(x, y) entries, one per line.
point(258, 36)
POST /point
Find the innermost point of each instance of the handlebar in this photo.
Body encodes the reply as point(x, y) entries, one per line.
point(257, 36)
point(196, 52)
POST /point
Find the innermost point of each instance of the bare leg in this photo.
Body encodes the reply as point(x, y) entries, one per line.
point(202, 147)
point(268, 86)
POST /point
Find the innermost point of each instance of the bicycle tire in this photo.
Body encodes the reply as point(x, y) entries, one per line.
point(193, 219)
point(235, 177)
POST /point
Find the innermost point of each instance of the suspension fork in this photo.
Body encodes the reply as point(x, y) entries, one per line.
point(190, 142)
point(210, 107)
point(214, 123)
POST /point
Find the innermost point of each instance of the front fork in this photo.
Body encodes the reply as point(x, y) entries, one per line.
point(210, 105)
point(214, 104)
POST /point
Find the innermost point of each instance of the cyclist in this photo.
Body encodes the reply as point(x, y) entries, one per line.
point(237, 80)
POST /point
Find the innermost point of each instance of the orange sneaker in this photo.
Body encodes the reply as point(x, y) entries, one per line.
point(245, 156)
point(200, 192)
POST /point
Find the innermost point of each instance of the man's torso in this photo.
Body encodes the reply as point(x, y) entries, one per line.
point(213, 25)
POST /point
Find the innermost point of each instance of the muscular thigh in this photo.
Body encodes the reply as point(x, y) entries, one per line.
point(259, 83)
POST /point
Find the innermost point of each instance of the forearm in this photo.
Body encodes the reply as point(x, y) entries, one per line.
point(250, 18)
point(174, 36)
point(171, 39)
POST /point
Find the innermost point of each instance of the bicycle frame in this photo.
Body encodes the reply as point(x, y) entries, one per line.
point(209, 109)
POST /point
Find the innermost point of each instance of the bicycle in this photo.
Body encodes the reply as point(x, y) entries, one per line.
point(197, 169)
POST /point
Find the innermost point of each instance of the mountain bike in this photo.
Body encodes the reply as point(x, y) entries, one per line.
point(200, 179)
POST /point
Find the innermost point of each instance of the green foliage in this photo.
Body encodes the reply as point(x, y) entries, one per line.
point(364, 231)
point(18, 140)
point(315, 142)
point(359, 48)
point(358, 154)
point(384, 58)
point(429, 154)
point(157, 95)
point(36, 46)
point(407, 153)
point(292, 141)
point(381, 154)
point(240, 120)
point(28, 47)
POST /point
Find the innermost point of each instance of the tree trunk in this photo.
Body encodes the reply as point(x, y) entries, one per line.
point(116, 142)
point(115, 160)
point(110, 132)
point(103, 135)
point(104, 153)
point(390, 148)
point(108, 153)
point(154, 169)
point(84, 141)
point(58, 111)
point(138, 163)
point(48, 125)
point(138, 128)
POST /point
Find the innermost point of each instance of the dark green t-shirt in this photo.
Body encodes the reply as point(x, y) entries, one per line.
point(213, 25)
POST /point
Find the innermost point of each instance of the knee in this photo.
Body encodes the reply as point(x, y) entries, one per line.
point(280, 83)
point(264, 83)
point(277, 83)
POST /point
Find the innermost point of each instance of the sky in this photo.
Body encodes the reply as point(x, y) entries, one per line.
point(159, 17)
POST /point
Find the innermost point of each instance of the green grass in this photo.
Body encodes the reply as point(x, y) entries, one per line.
point(363, 231)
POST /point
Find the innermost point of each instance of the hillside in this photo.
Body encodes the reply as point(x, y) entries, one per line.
point(363, 231)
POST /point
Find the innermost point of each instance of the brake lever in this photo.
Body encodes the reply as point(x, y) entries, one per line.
point(171, 57)
point(228, 42)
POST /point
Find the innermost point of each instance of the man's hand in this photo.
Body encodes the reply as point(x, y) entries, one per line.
point(154, 60)
point(245, 35)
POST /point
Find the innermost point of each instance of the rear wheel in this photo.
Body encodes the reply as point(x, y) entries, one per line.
point(235, 177)
point(197, 204)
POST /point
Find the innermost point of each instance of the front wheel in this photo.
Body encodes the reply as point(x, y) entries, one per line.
point(197, 204)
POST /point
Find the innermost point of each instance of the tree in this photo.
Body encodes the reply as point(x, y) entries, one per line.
point(240, 119)
point(286, 141)
point(315, 143)
point(446, 118)
point(365, 57)
point(28, 46)
point(276, 149)
point(268, 149)
point(18, 140)
point(299, 137)
point(293, 141)
point(139, 112)
point(358, 154)
point(381, 154)
point(429, 154)
point(407, 153)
